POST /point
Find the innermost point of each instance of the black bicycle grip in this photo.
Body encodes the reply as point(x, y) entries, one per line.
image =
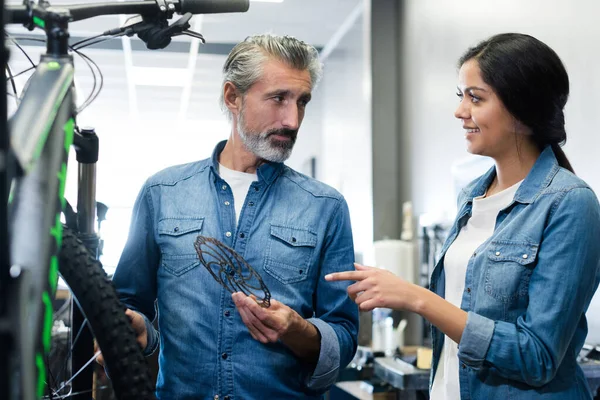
point(213, 6)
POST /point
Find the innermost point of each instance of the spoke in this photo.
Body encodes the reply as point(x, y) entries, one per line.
point(78, 372)
point(85, 321)
point(65, 396)
point(68, 303)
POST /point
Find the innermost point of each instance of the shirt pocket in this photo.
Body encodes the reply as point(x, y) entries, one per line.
point(289, 253)
point(176, 240)
point(508, 269)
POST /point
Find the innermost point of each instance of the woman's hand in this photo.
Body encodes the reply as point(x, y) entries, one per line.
point(376, 287)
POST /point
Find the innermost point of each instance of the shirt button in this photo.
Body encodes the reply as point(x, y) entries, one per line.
point(227, 203)
point(228, 234)
point(497, 253)
point(242, 235)
point(256, 189)
point(227, 313)
point(293, 240)
point(251, 204)
point(474, 254)
point(216, 397)
point(176, 229)
point(224, 356)
point(524, 255)
point(226, 398)
point(224, 187)
point(468, 290)
point(464, 366)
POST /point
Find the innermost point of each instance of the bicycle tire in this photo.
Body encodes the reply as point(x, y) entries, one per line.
point(129, 372)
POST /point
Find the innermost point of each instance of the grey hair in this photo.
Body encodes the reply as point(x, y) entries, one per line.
point(243, 66)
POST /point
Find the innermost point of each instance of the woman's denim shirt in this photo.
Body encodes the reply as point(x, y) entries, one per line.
point(527, 289)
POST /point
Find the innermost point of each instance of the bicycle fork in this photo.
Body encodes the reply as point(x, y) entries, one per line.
point(86, 148)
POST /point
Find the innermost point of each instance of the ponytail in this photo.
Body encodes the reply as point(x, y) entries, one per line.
point(561, 157)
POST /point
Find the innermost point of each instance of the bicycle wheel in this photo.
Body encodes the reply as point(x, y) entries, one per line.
point(94, 294)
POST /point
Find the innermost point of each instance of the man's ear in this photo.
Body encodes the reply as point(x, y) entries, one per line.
point(232, 98)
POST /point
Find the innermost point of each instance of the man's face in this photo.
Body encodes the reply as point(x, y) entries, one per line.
point(272, 110)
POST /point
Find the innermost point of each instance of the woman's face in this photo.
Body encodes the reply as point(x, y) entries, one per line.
point(489, 127)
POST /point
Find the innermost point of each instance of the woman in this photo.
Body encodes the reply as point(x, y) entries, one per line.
point(521, 262)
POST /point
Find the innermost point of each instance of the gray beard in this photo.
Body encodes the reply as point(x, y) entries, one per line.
point(259, 144)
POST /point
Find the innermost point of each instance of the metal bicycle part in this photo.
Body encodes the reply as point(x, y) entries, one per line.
point(230, 269)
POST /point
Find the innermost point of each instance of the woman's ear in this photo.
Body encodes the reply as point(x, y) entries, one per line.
point(521, 129)
point(232, 98)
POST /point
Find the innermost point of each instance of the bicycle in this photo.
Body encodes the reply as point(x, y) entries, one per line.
point(34, 247)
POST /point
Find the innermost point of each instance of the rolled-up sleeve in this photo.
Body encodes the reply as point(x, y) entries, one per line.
point(560, 290)
point(327, 369)
point(336, 315)
point(135, 276)
point(475, 340)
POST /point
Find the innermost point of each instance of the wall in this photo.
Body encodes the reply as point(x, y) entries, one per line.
point(346, 142)
point(433, 36)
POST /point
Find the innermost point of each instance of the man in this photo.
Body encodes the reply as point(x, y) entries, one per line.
point(291, 229)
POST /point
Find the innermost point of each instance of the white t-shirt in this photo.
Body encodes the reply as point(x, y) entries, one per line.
point(239, 182)
point(478, 229)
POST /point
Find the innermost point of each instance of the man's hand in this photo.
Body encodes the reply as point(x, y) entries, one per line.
point(139, 327)
point(267, 325)
point(279, 322)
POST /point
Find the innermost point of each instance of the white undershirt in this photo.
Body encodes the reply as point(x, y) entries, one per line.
point(239, 182)
point(477, 230)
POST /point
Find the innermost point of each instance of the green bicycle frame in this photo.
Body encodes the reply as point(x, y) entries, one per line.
point(46, 113)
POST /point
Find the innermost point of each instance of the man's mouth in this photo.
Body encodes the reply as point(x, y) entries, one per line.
point(283, 135)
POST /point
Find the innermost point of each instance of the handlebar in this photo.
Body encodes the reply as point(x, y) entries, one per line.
point(213, 6)
point(21, 14)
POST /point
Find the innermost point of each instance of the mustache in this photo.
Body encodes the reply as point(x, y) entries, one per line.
point(291, 133)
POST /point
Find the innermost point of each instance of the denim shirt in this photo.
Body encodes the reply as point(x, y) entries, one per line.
point(527, 289)
point(292, 230)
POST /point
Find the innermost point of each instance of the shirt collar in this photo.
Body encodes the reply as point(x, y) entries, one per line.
point(538, 179)
point(267, 172)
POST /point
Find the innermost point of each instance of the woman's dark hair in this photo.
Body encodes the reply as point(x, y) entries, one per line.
point(531, 81)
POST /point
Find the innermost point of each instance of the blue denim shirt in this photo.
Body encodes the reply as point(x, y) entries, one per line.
point(527, 289)
point(292, 230)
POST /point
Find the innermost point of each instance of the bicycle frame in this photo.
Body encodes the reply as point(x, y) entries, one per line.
point(36, 152)
point(42, 131)
point(41, 135)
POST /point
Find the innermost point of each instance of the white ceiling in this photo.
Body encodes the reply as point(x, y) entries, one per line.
point(189, 90)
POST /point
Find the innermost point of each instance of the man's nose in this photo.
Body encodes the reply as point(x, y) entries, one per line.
point(291, 117)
